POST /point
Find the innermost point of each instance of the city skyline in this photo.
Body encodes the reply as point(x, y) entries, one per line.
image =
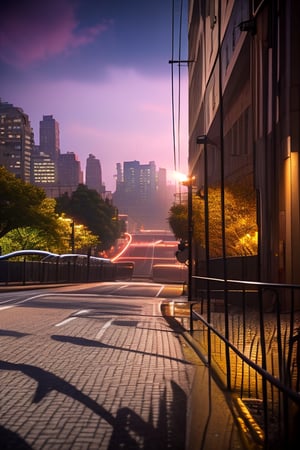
point(103, 73)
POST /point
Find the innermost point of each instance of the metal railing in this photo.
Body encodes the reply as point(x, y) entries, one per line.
point(250, 332)
point(60, 271)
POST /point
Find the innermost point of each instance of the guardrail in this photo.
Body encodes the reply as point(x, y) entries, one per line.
point(60, 271)
point(250, 332)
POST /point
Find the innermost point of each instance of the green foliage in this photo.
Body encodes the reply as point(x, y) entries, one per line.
point(240, 221)
point(87, 207)
point(84, 239)
point(28, 220)
point(21, 206)
point(58, 242)
point(178, 221)
point(34, 237)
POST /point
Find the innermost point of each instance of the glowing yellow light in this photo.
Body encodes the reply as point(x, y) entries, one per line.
point(179, 177)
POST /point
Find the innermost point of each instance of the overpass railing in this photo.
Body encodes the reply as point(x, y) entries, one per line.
point(77, 270)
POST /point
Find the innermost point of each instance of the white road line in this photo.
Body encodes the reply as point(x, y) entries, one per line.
point(158, 293)
point(104, 328)
point(82, 311)
point(75, 316)
point(121, 287)
point(22, 301)
point(60, 324)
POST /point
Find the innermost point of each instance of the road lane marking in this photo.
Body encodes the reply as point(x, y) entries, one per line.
point(60, 324)
point(82, 311)
point(21, 301)
point(124, 286)
point(75, 316)
point(104, 328)
point(158, 293)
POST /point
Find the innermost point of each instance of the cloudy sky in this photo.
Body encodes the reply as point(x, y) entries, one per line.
point(101, 68)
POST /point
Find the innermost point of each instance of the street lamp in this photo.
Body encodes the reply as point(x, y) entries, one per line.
point(72, 236)
point(189, 184)
point(203, 140)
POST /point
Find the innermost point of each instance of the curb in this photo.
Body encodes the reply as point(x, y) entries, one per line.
point(31, 287)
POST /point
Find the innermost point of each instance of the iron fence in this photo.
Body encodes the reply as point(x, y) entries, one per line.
point(62, 271)
point(250, 332)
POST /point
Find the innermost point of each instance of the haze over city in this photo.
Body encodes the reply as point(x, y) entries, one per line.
point(102, 70)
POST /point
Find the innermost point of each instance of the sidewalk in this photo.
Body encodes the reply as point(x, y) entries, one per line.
point(217, 420)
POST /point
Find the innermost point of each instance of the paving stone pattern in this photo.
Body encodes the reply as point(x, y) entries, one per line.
point(64, 388)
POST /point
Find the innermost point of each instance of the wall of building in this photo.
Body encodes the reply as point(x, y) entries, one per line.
point(244, 97)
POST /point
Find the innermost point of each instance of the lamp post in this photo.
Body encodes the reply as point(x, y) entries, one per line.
point(72, 225)
point(189, 184)
point(203, 140)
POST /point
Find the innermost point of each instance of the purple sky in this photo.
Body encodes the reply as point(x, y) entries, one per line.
point(101, 68)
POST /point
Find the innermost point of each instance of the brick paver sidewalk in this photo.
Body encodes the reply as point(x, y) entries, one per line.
point(134, 385)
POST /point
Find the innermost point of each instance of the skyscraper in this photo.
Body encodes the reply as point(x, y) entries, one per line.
point(131, 173)
point(93, 174)
point(43, 170)
point(147, 181)
point(16, 140)
point(142, 195)
point(69, 170)
point(49, 137)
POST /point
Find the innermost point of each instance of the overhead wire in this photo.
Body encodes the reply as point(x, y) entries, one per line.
point(179, 86)
point(172, 88)
point(176, 142)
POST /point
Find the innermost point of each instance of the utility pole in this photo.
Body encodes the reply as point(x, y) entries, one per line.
point(72, 225)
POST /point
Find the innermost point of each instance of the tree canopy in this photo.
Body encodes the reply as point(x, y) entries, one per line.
point(39, 239)
point(240, 221)
point(22, 205)
point(87, 207)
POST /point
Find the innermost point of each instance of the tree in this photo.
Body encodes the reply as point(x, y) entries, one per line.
point(39, 239)
point(21, 205)
point(84, 239)
point(240, 221)
point(87, 207)
point(178, 221)
point(33, 237)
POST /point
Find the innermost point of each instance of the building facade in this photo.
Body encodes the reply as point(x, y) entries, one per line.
point(16, 141)
point(43, 170)
point(93, 174)
point(244, 116)
point(49, 137)
point(69, 172)
point(142, 195)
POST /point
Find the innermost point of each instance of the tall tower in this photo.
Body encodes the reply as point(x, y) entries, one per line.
point(93, 174)
point(49, 137)
point(147, 181)
point(16, 140)
point(131, 177)
point(69, 170)
point(43, 170)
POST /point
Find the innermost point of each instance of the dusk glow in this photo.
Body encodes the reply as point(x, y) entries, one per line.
point(103, 72)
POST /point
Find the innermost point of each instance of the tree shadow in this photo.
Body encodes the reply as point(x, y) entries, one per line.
point(128, 428)
point(13, 333)
point(91, 343)
point(169, 432)
point(9, 440)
